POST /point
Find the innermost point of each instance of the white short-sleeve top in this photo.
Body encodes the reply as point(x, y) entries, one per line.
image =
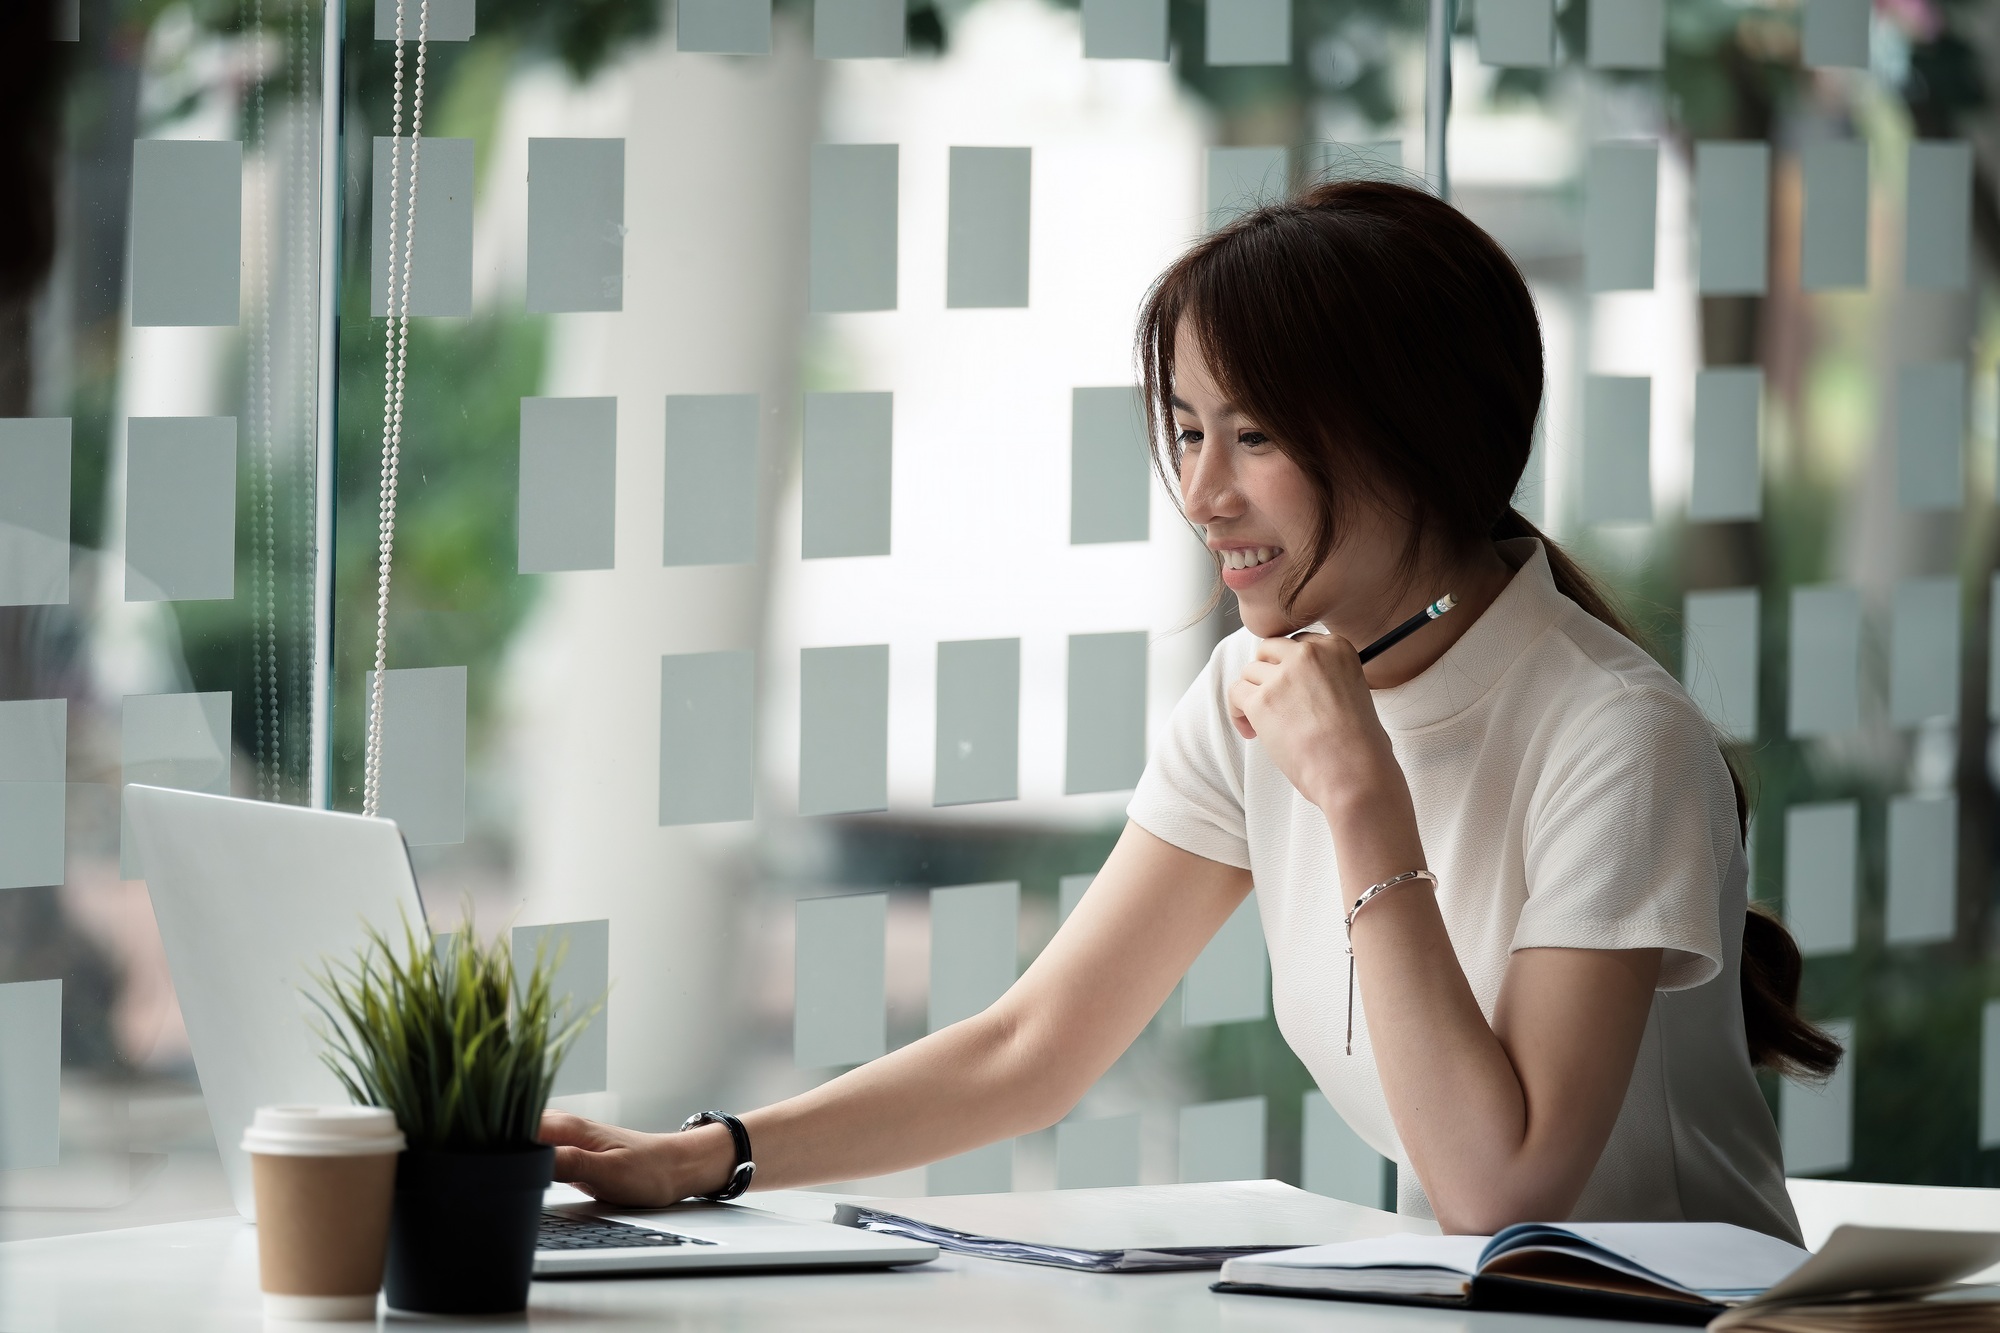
point(1569, 795)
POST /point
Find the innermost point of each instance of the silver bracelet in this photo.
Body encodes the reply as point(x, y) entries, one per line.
point(1347, 924)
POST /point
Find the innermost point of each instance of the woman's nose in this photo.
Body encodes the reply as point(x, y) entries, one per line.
point(1205, 487)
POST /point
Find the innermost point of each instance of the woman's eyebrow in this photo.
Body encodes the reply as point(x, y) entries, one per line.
point(1221, 409)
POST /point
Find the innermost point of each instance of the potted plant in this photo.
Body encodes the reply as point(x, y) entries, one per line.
point(464, 1052)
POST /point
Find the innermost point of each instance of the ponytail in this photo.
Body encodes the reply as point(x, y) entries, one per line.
point(1779, 1037)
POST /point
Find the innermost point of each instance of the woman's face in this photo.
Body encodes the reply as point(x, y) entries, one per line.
point(1257, 512)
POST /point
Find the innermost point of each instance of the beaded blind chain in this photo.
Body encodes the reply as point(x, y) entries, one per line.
point(1347, 923)
point(394, 356)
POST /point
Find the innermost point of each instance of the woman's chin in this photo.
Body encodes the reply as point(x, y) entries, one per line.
point(1266, 622)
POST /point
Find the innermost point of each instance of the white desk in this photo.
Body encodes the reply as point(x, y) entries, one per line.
point(202, 1276)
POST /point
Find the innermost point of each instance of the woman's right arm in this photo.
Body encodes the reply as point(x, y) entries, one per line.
point(1018, 1067)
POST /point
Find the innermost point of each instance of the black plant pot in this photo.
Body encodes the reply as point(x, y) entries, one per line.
point(462, 1233)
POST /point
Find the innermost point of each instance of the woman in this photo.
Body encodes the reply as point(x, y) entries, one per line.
point(1564, 1022)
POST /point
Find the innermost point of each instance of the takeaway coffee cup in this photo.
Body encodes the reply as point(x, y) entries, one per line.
point(324, 1177)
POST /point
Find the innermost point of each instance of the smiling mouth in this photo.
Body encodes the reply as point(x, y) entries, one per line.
point(1251, 557)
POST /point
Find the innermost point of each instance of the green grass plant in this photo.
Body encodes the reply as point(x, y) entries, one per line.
point(445, 1034)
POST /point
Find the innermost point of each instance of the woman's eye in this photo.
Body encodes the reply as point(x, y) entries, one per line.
point(1187, 439)
point(1253, 438)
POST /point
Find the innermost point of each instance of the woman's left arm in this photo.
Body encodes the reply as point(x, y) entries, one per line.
point(1503, 1122)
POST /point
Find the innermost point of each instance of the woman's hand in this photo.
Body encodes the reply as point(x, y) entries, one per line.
point(1307, 700)
point(622, 1166)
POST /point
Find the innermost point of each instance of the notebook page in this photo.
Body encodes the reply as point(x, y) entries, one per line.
point(1714, 1259)
point(1451, 1254)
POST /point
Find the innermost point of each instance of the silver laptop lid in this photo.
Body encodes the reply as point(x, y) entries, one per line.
point(251, 899)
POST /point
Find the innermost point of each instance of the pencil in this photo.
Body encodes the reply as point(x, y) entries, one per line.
point(1408, 627)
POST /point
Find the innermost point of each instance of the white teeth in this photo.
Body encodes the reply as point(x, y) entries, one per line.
point(1249, 559)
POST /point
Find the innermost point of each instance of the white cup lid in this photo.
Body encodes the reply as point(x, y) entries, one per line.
point(323, 1131)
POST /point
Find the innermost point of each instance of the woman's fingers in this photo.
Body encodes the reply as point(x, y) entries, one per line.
point(1241, 693)
point(561, 1128)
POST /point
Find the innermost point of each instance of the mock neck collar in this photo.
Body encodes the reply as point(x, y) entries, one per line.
point(1529, 604)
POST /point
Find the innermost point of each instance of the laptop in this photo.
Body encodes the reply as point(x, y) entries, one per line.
point(252, 898)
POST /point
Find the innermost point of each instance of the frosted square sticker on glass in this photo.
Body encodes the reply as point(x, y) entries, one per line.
point(1923, 651)
point(711, 476)
point(1620, 215)
point(34, 511)
point(1834, 243)
point(1099, 1153)
point(448, 20)
point(1732, 211)
point(978, 721)
point(1937, 225)
point(1824, 690)
point(859, 29)
point(1923, 869)
point(423, 752)
point(1125, 29)
point(987, 1170)
point(1930, 435)
point(1822, 858)
point(1106, 749)
point(846, 469)
point(1627, 34)
point(1334, 1159)
point(851, 227)
point(1836, 33)
point(1249, 32)
point(1989, 1074)
point(1617, 449)
point(724, 27)
point(973, 950)
point(581, 952)
point(187, 231)
point(180, 509)
point(840, 998)
point(34, 746)
point(708, 710)
point(569, 484)
point(1243, 179)
point(441, 272)
point(1330, 160)
point(1223, 1140)
point(1726, 483)
point(1993, 648)
point(1516, 34)
point(1110, 467)
point(1816, 1124)
point(986, 234)
point(1719, 664)
point(1228, 981)
point(30, 1074)
point(844, 729)
point(576, 224)
point(172, 740)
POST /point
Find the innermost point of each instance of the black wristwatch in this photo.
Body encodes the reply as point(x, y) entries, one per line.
point(739, 1175)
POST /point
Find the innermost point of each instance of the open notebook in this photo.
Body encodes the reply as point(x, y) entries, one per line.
point(1137, 1228)
point(1691, 1271)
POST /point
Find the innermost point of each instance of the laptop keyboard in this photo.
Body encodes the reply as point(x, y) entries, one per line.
point(563, 1232)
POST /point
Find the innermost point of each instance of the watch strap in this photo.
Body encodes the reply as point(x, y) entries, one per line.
point(745, 1167)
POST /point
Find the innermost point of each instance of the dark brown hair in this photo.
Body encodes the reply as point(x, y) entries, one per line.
point(1391, 349)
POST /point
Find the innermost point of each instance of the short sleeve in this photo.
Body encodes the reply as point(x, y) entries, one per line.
point(1191, 793)
point(1631, 837)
